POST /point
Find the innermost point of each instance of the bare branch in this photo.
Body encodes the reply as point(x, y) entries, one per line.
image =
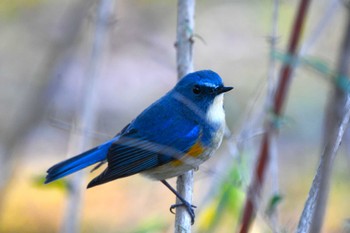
point(307, 219)
point(184, 41)
point(337, 119)
point(271, 126)
point(271, 90)
point(87, 117)
point(37, 96)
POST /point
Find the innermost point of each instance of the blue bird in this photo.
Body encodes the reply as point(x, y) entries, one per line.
point(175, 134)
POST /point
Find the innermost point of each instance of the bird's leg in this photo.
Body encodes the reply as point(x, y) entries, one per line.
point(183, 203)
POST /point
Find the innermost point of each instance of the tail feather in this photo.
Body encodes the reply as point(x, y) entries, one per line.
point(78, 162)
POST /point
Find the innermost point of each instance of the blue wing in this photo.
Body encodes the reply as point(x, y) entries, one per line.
point(148, 143)
point(132, 154)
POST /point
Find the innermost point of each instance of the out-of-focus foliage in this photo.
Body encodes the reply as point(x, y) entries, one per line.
point(9, 8)
point(314, 63)
point(39, 181)
point(139, 67)
point(225, 205)
point(151, 224)
point(275, 200)
point(319, 65)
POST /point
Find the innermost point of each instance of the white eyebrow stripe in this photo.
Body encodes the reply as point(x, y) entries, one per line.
point(210, 85)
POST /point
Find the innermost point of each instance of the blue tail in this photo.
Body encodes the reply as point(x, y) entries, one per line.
point(78, 162)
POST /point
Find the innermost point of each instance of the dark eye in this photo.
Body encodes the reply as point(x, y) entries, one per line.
point(196, 89)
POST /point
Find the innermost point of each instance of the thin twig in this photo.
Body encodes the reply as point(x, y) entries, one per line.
point(87, 117)
point(271, 90)
point(184, 61)
point(337, 118)
point(35, 103)
point(307, 219)
point(271, 126)
point(327, 15)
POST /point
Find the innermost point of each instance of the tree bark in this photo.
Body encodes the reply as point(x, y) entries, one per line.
point(271, 126)
point(87, 116)
point(184, 61)
point(336, 120)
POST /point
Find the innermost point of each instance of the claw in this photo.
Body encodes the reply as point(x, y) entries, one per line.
point(183, 203)
point(188, 207)
point(172, 207)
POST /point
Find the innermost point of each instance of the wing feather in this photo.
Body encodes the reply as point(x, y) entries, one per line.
point(134, 153)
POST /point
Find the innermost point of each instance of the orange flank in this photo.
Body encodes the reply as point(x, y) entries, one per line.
point(196, 150)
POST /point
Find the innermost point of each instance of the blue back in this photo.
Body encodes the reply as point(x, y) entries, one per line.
point(163, 132)
point(166, 130)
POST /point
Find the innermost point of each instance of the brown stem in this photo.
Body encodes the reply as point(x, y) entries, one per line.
point(271, 128)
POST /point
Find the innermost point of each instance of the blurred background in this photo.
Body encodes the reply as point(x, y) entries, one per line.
point(45, 54)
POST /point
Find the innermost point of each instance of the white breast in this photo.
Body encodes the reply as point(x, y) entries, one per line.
point(216, 114)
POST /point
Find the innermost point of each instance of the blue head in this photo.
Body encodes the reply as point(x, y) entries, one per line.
point(200, 89)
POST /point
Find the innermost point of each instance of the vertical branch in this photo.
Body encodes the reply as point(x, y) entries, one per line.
point(337, 118)
point(287, 69)
point(272, 62)
point(331, 9)
point(35, 103)
point(184, 34)
point(271, 90)
point(184, 61)
point(87, 117)
point(311, 220)
point(271, 127)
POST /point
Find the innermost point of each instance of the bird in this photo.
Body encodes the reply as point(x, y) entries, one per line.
point(175, 134)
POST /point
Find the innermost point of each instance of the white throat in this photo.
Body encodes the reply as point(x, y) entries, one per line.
point(216, 114)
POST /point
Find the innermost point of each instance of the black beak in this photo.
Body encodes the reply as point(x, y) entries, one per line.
point(223, 89)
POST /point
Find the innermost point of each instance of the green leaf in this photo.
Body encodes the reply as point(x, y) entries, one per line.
point(273, 203)
point(39, 181)
point(316, 64)
point(153, 224)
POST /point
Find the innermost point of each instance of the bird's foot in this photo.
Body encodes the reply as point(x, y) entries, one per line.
point(189, 208)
